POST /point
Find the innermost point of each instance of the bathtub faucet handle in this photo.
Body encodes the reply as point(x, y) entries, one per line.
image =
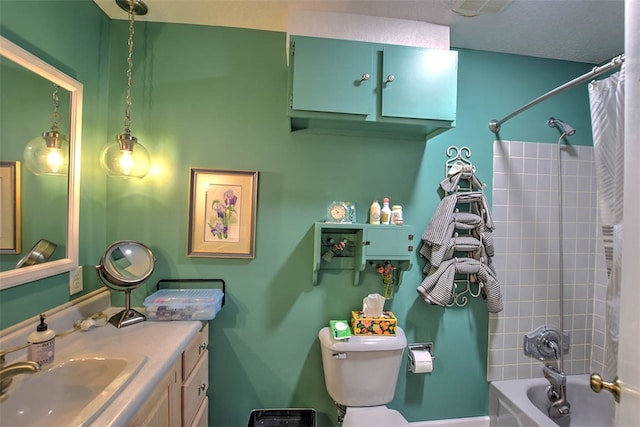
point(553, 345)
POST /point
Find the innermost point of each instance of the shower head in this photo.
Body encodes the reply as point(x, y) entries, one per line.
point(562, 126)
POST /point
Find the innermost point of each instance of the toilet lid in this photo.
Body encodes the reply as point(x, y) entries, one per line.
point(374, 416)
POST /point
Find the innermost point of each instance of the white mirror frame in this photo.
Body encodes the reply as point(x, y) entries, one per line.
point(19, 276)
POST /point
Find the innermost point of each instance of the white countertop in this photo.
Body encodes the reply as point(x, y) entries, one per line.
point(160, 342)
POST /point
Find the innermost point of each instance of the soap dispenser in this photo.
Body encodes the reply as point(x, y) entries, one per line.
point(42, 342)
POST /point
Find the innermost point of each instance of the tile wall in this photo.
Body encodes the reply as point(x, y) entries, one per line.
point(526, 216)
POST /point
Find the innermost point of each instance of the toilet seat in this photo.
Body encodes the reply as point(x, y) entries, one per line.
point(374, 416)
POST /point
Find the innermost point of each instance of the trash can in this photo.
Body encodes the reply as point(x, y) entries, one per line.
point(290, 417)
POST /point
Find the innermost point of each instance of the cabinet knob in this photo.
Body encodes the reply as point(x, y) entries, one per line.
point(202, 347)
point(365, 76)
point(390, 78)
point(201, 388)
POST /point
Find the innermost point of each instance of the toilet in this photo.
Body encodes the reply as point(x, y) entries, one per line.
point(361, 374)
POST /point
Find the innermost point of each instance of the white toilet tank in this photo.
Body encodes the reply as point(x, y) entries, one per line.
point(362, 371)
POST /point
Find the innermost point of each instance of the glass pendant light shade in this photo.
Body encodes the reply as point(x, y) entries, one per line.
point(125, 158)
point(48, 154)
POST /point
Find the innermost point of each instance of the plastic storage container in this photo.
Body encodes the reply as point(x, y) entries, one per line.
point(183, 304)
point(282, 418)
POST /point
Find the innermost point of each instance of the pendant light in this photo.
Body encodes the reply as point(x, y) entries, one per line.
point(48, 154)
point(126, 157)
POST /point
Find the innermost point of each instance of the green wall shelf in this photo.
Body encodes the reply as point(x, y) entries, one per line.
point(364, 243)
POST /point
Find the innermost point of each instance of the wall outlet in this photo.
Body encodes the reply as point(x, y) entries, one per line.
point(75, 281)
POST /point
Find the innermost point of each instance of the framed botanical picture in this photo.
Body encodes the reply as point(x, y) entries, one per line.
point(222, 213)
point(10, 231)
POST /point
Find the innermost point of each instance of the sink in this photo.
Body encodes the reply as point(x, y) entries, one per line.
point(70, 393)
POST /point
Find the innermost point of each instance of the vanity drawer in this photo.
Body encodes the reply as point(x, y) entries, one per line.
point(194, 389)
point(198, 346)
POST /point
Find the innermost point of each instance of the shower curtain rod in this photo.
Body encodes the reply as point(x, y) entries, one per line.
point(494, 125)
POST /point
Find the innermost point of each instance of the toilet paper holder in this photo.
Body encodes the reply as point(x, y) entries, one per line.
point(428, 346)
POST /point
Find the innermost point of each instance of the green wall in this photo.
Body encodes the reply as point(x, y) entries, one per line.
point(216, 98)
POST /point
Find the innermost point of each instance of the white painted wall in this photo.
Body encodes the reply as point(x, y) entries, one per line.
point(346, 26)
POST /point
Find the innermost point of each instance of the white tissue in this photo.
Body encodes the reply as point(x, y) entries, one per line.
point(421, 361)
point(373, 305)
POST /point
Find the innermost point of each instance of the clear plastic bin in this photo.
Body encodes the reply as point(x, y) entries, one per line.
point(183, 304)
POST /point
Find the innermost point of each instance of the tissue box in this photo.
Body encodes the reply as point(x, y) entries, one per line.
point(385, 325)
point(183, 304)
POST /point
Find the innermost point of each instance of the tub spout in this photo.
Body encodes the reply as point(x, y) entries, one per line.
point(560, 407)
point(554, 376)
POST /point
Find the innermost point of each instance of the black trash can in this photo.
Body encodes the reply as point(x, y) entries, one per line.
point(290, 417)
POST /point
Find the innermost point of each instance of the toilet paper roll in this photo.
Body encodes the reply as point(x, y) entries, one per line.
point(421, 362)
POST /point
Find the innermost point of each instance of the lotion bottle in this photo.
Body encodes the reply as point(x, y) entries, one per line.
point(374, 213)
point(43, 344)
point(385, 213)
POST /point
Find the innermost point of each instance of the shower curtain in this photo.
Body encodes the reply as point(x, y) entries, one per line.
point(606, 99)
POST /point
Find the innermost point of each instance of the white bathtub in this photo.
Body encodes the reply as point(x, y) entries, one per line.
point(524, 403)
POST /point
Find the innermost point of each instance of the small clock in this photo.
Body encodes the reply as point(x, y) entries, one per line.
point(338, 212)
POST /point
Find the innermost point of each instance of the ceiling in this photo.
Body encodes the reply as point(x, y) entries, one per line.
point(590, 31)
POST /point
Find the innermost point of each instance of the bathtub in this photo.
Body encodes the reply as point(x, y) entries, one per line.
point(524, 403)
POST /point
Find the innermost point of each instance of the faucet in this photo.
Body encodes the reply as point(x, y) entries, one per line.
point(8, 372)
point(557, 392)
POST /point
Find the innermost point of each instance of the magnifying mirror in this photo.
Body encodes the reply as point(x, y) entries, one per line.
point(125, 265)
point(40, 252)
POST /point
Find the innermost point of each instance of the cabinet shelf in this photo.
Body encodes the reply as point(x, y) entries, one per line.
point(363, 243)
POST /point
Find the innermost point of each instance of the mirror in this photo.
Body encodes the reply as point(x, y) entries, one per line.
point(125, 265)
point(51, 205)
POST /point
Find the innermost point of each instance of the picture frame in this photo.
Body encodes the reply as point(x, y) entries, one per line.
point(10, 208)
point(222, 213)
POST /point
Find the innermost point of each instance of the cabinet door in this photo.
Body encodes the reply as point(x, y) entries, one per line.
point(194, 350)
point(194, 389)
point(389, 242)
point(202, 416)
point(422, 83)
point(328, 75)
point(162, 408)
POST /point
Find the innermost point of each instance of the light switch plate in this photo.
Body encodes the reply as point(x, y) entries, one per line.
point(75, 281)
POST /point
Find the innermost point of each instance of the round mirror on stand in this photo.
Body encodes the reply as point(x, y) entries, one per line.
point(125, 265)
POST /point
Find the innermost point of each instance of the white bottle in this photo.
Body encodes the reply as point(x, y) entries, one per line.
point(43, 344)
point(385, 212)
point(374, 213)
point(396, 215)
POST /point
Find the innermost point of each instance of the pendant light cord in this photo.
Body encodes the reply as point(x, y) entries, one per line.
point(127, 111)
point(54, 118)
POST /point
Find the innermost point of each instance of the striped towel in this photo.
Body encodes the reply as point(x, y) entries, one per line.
point(479, 240)
point(437, 287)
point(445, 214)
point(450, 183)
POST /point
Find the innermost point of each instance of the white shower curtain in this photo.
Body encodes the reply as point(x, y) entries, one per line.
point(606, 98)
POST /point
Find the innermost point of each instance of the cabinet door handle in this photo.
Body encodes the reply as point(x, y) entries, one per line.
point(202, 387)
point(202, 347)
point(390, 78)
point(365, 76)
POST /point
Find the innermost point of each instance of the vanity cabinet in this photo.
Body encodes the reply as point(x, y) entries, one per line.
point(364, 244)
point(359, 86)
point(163, 407)
point(181, 397)
point(195, 384)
